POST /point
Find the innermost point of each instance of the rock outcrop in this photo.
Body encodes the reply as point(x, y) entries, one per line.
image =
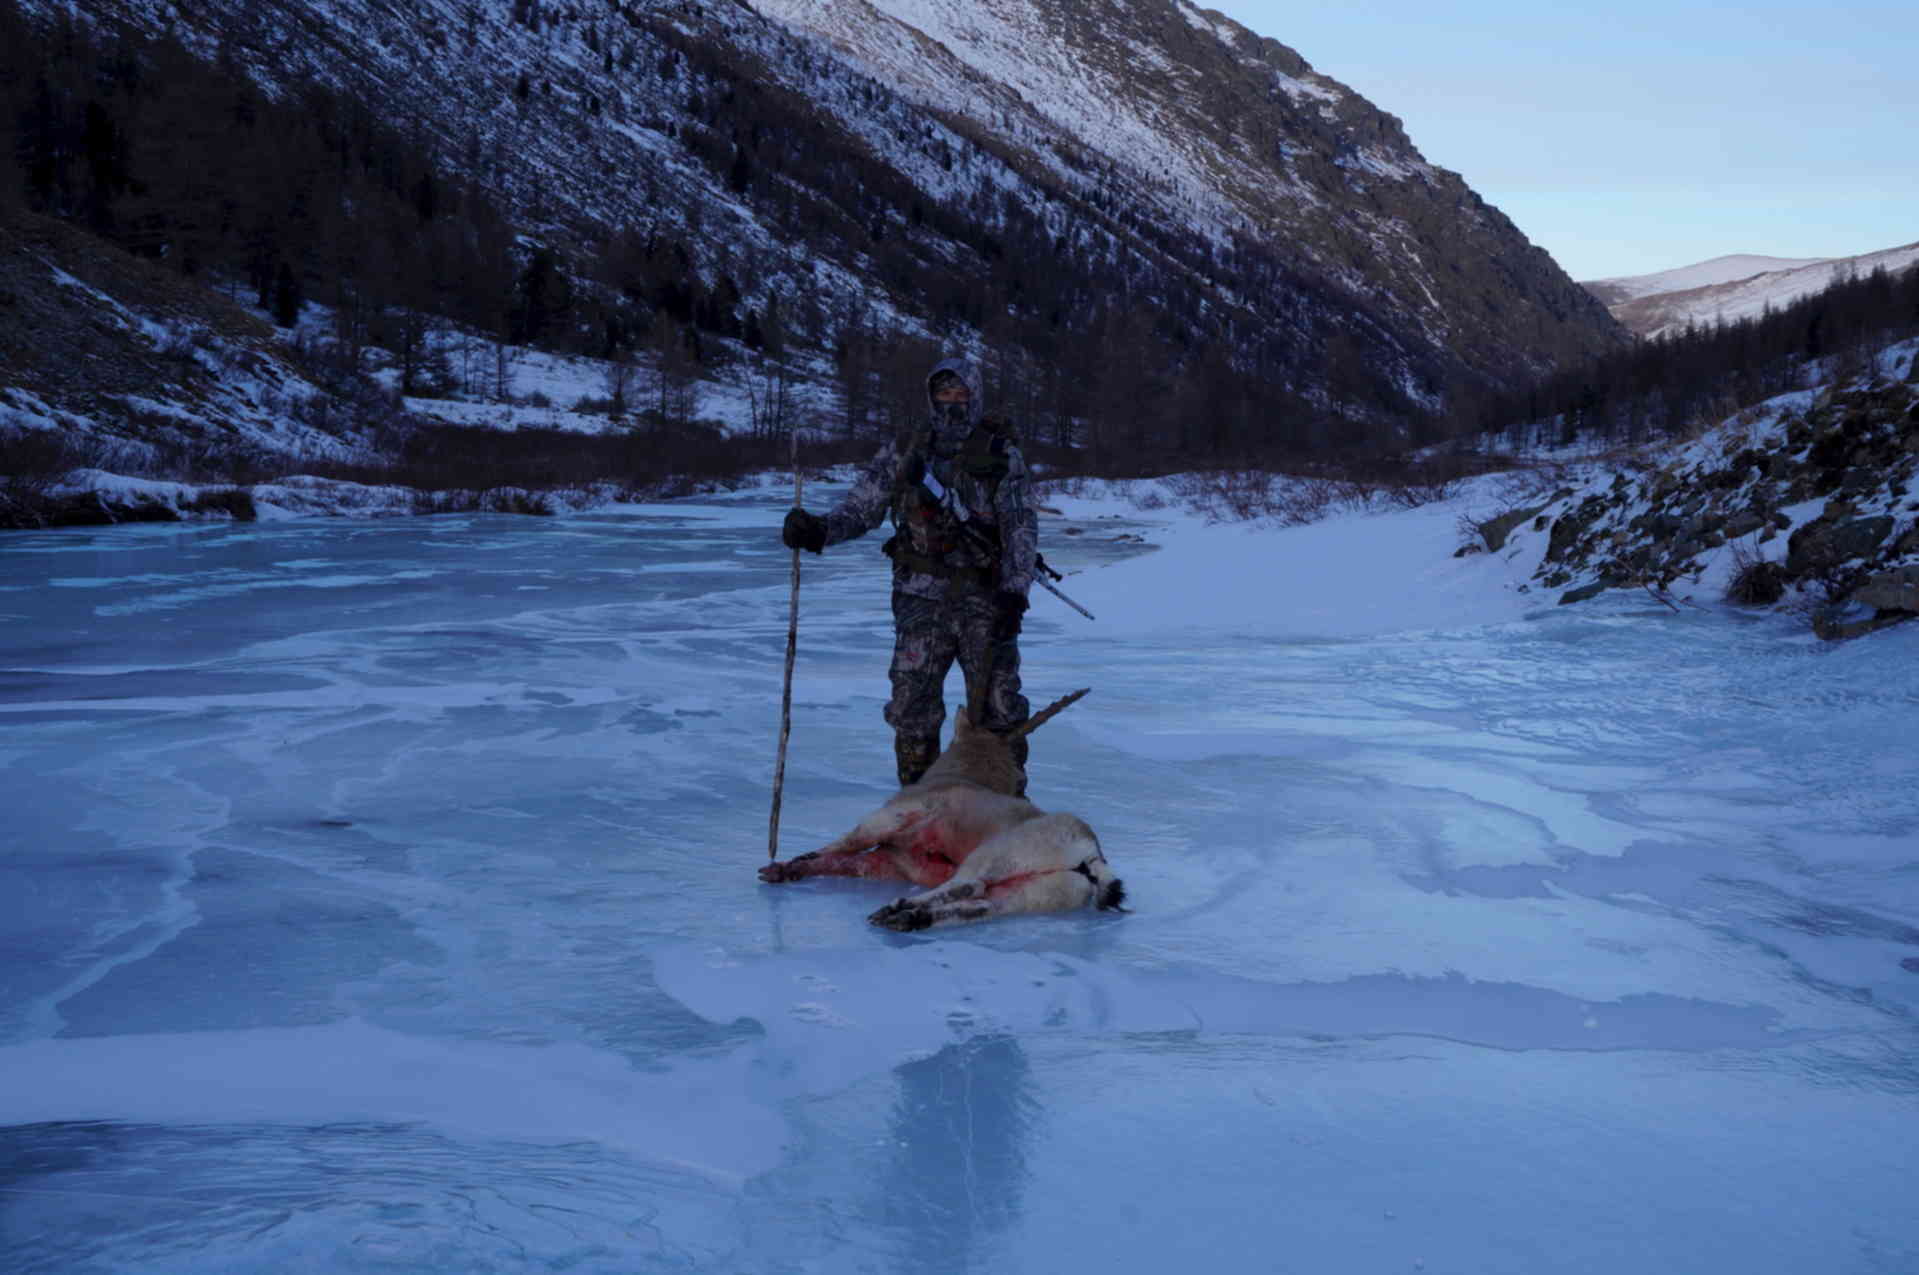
point(1814, 496)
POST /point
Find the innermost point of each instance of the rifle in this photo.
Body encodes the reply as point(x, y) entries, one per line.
point(1040, 579)
point(1041, 569)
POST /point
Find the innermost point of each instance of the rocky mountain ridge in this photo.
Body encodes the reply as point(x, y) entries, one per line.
point(1238, 136)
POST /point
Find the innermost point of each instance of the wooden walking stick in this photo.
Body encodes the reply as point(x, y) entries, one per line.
point(792, 649)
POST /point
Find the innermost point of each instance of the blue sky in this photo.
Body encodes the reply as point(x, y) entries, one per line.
point(1637, 137)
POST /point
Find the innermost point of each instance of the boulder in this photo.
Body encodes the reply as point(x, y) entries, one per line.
point(1833, 630)
point(1584, 591)
point(1860, 480)
point(1495, 530)
point(1894, 590)
point(1570, 526)
point(1822, 544)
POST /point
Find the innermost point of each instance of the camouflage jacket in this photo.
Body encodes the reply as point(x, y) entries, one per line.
point(967, 520)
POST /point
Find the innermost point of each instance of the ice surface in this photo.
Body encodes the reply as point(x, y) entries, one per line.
point(380, 897)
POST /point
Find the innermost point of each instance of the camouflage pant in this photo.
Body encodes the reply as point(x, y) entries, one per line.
point(928, 635)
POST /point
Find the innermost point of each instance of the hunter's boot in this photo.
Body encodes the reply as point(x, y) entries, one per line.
point(914, 754)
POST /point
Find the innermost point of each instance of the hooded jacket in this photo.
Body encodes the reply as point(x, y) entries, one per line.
point(960, 496)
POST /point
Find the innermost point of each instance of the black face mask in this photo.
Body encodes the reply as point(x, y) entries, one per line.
point(952, 422)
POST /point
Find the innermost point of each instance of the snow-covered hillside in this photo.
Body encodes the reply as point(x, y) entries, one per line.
point(1727, 289)
point(123, 364)
point(1025, 60)
point(1732, 268)
point(1234, 136)
point(966, 174)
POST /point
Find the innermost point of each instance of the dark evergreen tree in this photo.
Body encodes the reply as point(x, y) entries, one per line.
point(289, 298)
point(542, 299)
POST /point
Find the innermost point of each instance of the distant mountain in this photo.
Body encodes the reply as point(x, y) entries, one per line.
point(1731, 288)
point(1706, 274)
point(1169, 235)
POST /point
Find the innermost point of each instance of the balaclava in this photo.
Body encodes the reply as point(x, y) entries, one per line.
point(952, 422)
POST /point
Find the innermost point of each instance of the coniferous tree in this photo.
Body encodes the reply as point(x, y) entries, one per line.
point(288, 297)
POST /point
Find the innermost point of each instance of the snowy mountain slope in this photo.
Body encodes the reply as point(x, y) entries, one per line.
point(1732, 288)
point(994, 62)
point(1144, 158)
point(1705, 274)
point(1236, 135)
point(131, 366)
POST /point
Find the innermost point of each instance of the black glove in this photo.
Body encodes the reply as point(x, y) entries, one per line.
point(1007, 610)
point(803, 531)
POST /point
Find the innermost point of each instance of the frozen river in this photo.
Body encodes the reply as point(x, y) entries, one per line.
point(380, 897)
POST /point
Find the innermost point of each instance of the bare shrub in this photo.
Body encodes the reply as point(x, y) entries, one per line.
point(34, 460)
point(461, 468)
point(235, 502)
point(1472, 536)
point(1760, 582)
point(1757, 581)
point(1223, 494)
point(1064, 485)
point(1308, 500)
point(1411, 483)
point(1243, 495)
point(1356, 490)
point(178, 341)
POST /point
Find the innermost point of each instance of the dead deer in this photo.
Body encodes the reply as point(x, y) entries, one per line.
point(927, 830)
point(1050, 863)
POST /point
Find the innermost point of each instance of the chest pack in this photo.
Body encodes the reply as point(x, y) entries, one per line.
point(936, 527)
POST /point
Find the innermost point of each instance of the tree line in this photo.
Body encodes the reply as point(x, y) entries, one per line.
point(314, 194)
point(1670, 384)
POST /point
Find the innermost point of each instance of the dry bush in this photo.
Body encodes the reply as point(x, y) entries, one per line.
point(1533, 485)
point(1472, 536)
point(1409, 484)
point(1307, 500)
point(34, 460)
point(235, 502)
point(1757, 581)
point(460, 468)
point(1757, 584)
point(1228, 494)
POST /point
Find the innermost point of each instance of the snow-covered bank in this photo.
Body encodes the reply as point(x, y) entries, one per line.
point(94, 497)
point(1818, 488)
point(1813, 490)
point(1356, 572)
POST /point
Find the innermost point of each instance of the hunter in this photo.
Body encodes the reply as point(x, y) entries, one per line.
point(964, 550)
